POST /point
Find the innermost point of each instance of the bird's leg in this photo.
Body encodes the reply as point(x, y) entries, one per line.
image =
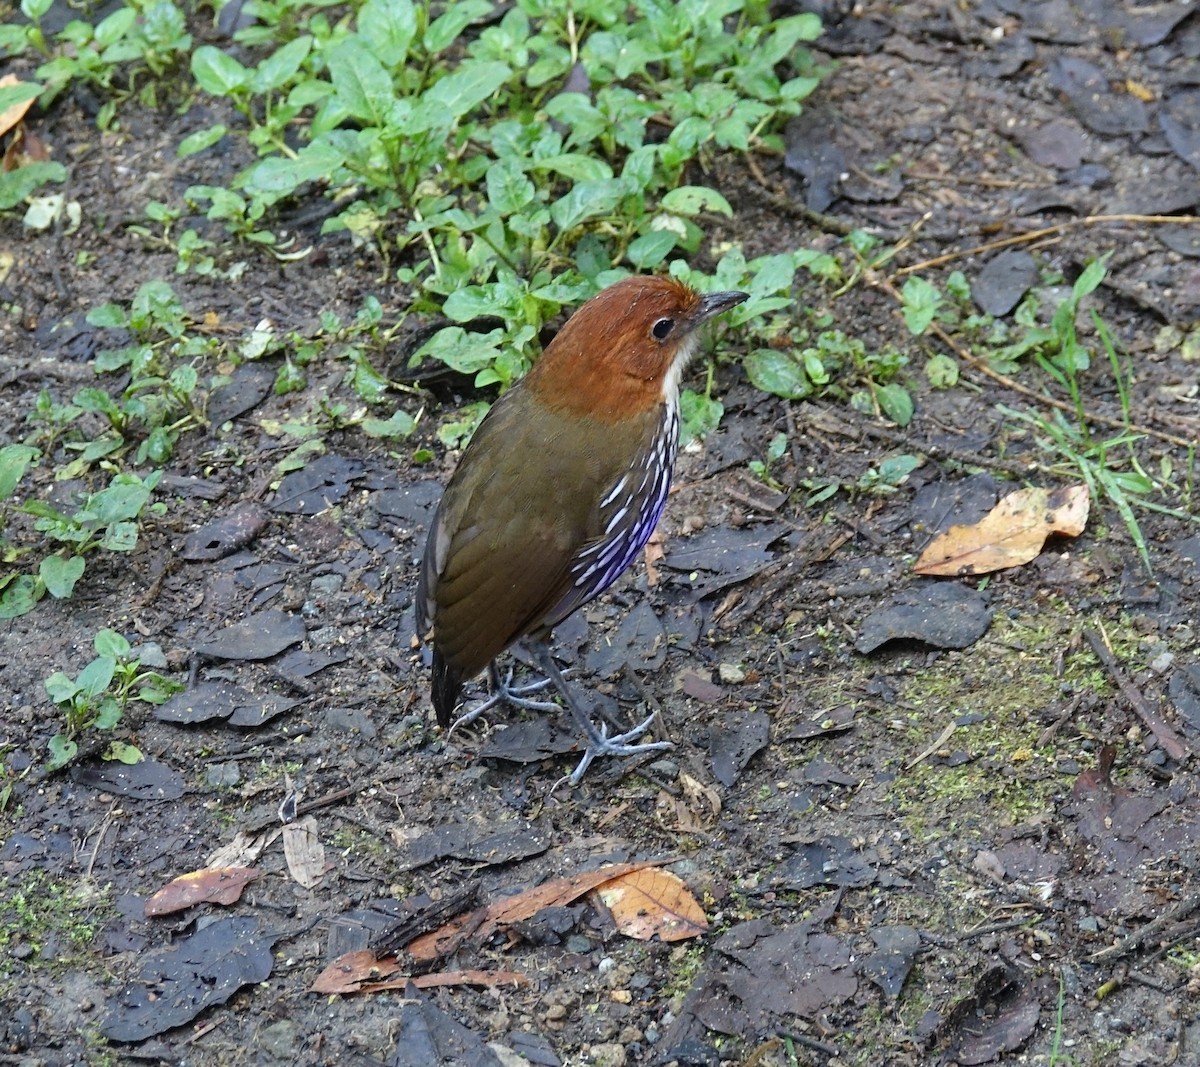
point(502, 690)
point(598, 741)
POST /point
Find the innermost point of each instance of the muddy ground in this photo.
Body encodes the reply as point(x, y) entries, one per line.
point(909, 855)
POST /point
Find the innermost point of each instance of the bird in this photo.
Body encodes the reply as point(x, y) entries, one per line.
point(558, 491)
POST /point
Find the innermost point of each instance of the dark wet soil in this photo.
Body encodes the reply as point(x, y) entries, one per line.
point(909, 855)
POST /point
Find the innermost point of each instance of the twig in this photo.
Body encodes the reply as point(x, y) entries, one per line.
point(942, 738)
point(1048, 231)
point(1170, 742)
point(1181, 909)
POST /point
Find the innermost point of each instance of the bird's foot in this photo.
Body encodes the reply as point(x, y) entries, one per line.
point(600, 744)
point(504, 692)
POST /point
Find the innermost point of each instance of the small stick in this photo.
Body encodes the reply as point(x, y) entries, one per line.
point(1048, 231)
point(1181, 909)
point(1172, 744)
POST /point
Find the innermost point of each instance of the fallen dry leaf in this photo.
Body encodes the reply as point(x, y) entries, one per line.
point(361, 972)
point(10, 116)
point(222, 885)
point(304, 852)
point(696, 810)
point(482, 922)
point(243, 850)
point(1011, 534)
point(649, 902)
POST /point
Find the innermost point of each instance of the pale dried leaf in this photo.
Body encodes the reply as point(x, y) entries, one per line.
point(1011, 534)
point(651, 902)
point(243, 850)
point(304, 852)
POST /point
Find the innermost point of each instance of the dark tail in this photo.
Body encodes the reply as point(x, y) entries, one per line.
point(446, 686)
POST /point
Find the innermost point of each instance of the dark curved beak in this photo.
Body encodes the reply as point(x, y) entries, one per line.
point(714, 303)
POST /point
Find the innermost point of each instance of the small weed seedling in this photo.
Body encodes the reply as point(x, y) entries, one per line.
point(97, 698)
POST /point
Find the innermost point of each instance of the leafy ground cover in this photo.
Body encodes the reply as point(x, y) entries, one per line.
point(263, 270)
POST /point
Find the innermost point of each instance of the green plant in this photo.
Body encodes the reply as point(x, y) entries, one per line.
point(882, 480)
point(140, 41)
point(107, 519)
point(161, 400)
point(97, 697)
point(762, 467)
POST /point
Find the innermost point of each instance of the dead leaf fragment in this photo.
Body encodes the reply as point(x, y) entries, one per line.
point(10, 116)
point(651, 902)
point(361, 972)
point(1011, 534)
point(304, 852)
point(222, 885)
point(483, 922)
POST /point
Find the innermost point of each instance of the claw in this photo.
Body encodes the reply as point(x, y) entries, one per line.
point(600, 744)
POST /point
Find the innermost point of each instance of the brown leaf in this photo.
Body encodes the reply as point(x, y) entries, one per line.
point(483, 921)
point(222, 885)
point(10, 116)
point(649, 902)
point(304, 852)
point(1011, 534)
point(361, 972)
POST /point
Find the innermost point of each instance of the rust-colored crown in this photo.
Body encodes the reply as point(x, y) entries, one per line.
point(623, 351)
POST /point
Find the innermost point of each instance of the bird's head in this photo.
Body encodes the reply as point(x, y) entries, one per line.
point(622, 353)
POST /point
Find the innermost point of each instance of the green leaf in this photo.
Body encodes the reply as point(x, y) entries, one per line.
point(458, 16)
point(699, 414)
point(693, 199)
point(1093, 274)
point(388, 27)
point(362, 84)
point(16, 185)
point(121, 752)
point(110, 643)
point(277, 176)
point(894, 401)
point(280, 66)
point(649, 250)
point(96, 677)
point(777, 372)
point(894, 469)
point(217, 72)
point(117, 25)
point(20, 596)
point(12, 95)
point(60, 688)
point(14, 462)
point(575, 166)
point(586, 200)
point(467, 87)
point(120, 537)
point(470, 302)
point(942, 371)
point(921, 302)
point(199, 141)
point(508, 189)
point(401, 424)
point(60, 575)
point(108, 715)
point(62, 751)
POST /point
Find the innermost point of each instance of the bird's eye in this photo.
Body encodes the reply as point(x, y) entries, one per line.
point(662, 328)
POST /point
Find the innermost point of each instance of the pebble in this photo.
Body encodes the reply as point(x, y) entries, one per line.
point(608, 1055)
point(223, 774)
point(326, 584)
point(151, 656)
point(579, 944)
point(324, 637)
point(731, 673)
